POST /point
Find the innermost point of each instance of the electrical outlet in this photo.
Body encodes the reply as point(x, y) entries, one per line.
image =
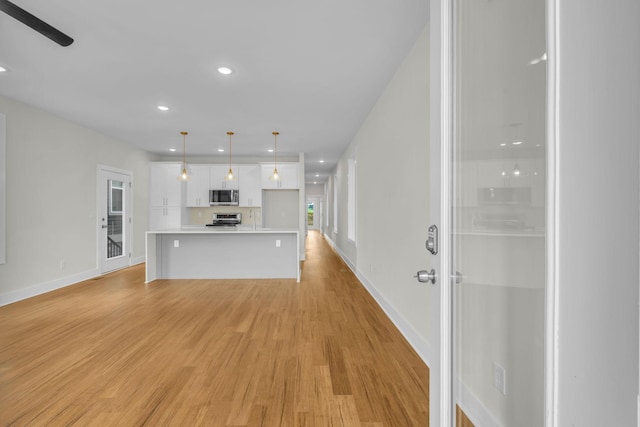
point(62, 264)
point(499, 378)
point(176, 243)
point(277, 243)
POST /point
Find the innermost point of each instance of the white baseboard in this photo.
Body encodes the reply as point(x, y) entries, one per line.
point(419, 344)
point(52, 285)
point(138, 260)
point(473, 408)
point(469, 402)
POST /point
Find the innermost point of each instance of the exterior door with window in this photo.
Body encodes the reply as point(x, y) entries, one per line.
point(114, 219)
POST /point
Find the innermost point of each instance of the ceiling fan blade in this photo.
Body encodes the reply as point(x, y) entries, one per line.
point(37, 24)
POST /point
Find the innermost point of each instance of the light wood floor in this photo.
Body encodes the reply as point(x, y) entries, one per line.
point(115, 352)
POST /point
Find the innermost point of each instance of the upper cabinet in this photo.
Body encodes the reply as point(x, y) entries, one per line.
point(165, 188)
point(250, 188)
point(165, 196)
point(198, 186)
point(288, 173)
point(217, 175)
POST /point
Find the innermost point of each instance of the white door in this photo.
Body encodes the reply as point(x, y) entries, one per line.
point(498, 230)
point(114, 219)
point(487, 182)
point(313, 213)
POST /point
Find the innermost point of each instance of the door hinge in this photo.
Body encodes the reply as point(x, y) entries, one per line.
point(129, 254)
point(129, 184)
point(129, 220)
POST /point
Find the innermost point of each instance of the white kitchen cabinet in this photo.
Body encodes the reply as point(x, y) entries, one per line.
point(165, 217)
point(288, 176)
point(250, 188)
point(218, 172)
point(165, 196)
point(164, 187)
point(198, 186)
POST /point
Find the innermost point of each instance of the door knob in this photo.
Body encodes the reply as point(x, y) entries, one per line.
point(104, 226)
point(425, 276)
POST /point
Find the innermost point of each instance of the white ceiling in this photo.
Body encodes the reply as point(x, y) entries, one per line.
point(311, 70)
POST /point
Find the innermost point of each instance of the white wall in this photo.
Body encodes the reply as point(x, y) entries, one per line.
point(3, 189)
point(392, 201)
point(598, 185)
point(315, 189)
point(51, 199)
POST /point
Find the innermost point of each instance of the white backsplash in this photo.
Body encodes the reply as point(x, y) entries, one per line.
point(202, 216)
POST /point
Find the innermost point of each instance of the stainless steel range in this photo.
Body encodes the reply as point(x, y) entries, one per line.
point(225, 219)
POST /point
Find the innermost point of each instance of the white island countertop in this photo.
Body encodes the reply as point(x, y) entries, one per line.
point(222, 252)
point(202, 229)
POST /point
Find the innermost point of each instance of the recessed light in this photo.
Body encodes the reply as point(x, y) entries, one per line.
point(3, 69)
point(220, 150)
point(270, 150)
point(503, 145)
point(516, 143)
point(315, 182)
point(172, 149)
point(163, 108)
point(321, 161)
point(225, 70)
point(317, 175)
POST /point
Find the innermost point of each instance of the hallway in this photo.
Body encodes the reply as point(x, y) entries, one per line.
point(114, 351)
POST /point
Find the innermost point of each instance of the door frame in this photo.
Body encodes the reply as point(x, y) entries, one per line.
point(441, 133)
point(102, 170)
point(317, 213)
point(440, 128)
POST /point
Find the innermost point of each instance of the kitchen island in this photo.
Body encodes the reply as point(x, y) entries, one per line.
point(199, 252)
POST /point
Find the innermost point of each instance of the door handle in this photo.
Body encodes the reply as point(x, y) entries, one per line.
point(458, 277)
point(104, 226)
point(425, 276)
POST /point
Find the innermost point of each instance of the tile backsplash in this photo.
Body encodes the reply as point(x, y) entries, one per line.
point(202, 216)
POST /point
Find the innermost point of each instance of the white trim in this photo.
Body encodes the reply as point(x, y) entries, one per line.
point(447, 97)
point(474, 409)
point(419, 344)
point(52, 285)
point(3, 189)
point(128, 225)
point(138, 260)
point(551, 292)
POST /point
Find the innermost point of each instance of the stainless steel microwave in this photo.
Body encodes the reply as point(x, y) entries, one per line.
point(223, 197)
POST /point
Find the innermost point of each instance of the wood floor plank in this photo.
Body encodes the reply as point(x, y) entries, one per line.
point(114, 351)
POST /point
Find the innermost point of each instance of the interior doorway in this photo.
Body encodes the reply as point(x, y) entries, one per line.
point(314, 213)
point(114, 218)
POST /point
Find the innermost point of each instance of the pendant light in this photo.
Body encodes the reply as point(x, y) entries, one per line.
point(275, 176)
point(230, 176)
point(184, 176)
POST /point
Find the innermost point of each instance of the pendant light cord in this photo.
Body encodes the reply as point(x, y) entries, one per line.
point(275, 152)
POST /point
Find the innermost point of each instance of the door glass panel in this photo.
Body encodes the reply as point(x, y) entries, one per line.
point(310, 211)
point(115, 203)
point(498, 199)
